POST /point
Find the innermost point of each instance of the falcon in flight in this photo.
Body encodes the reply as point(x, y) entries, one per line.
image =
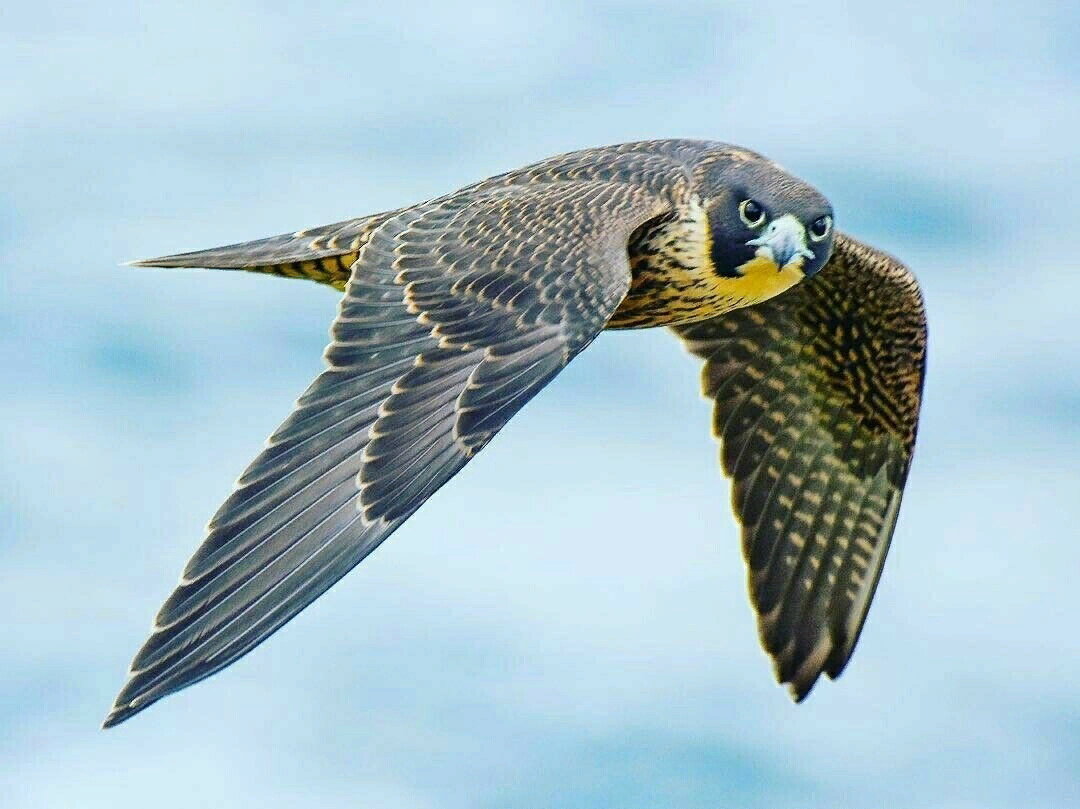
point(456, 311)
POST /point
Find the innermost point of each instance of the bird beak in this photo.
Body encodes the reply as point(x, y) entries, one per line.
point(783, 242)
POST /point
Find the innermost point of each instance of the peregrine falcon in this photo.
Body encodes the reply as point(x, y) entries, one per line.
point(456, 311)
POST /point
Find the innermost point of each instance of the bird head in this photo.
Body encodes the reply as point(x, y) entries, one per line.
point(766, 227)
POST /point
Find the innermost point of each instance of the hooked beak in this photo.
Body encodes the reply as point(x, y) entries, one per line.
point(783, 241)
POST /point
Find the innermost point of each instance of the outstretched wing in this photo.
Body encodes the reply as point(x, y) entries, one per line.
point(457, 312)
point(817, 400)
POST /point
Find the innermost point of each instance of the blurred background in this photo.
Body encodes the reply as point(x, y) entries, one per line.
point(564, 624)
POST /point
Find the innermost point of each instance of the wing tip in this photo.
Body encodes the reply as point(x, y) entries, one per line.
point(799, 688)
point(133, 698)
point(121, 712)
point(797, 696)
point(207, 259)
point(801, 672)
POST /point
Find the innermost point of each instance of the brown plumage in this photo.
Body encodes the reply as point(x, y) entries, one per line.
point(458, 310)
point(817, 399)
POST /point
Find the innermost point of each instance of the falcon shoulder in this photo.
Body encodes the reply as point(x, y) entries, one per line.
point(817, 396)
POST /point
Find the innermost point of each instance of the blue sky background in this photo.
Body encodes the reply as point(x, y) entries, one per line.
point(565, 624)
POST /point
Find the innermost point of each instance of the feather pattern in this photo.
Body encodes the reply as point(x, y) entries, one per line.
point(817, 395)
point(457, 312)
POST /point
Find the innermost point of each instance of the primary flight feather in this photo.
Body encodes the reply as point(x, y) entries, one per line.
point(456, 311)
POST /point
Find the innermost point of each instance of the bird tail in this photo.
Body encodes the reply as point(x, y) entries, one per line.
point(324, 254)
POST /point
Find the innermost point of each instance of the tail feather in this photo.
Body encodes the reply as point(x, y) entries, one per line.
point(324, 254)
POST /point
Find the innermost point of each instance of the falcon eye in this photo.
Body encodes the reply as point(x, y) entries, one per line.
point(751, 213)
point(820, 228)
